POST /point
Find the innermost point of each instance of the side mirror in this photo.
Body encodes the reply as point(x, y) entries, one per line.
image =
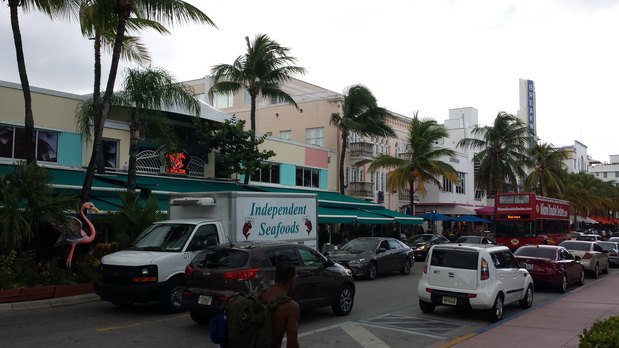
point(522, 264)
point(577, 258)
point(381, 250)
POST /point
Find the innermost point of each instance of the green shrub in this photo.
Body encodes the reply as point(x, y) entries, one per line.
point(87, 267)
point(7, 270)
point(602, 334)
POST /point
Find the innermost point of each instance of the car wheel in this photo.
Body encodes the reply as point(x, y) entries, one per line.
point(596, 271)
point(527, 300)
point(426, 307)
point(496, 312)
point(406, 267)
point(200, 318)
point(372, 271)
point(605, 271)
point(581, 281)
point(122, 304)
point(171, 300)
point(563, 285)
point(344, 301)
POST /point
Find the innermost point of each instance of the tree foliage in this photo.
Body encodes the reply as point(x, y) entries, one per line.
point(238, 149)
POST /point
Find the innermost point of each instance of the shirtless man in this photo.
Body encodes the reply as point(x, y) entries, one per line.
point(285, 317)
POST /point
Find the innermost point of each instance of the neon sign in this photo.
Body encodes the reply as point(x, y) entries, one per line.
point(177, 163)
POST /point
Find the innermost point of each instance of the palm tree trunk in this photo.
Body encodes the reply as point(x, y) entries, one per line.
point(412, 197)
point(29, 141)
point(123, 14)
point(342, 157)
point(133, 151)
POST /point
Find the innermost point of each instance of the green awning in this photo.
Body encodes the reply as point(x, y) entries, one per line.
point(328, 198)
point(335, 216)
point(365, 217)
point(166, 185)
point(400, 217)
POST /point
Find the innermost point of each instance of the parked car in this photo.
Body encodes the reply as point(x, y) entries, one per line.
point(421, 243)
point(220, 272)
point(613, 239)
point(551, 264)
point(477, 276)
point(370, 256)
point(589, 237)
point(473, 240)
point(613, 252)
point(591, 254)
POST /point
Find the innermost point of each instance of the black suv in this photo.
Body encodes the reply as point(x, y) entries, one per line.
point(218, 273)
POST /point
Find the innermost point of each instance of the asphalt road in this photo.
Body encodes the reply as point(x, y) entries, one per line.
point(385, 314)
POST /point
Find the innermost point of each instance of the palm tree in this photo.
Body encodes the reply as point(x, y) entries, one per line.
point(361, 115)
point(173, 11)
point(586, 194)
point(27, 201)
point(421, 163)
point(261, 70)
point(545, 179)
point(503, 153)
point(53, 8)
point(146, 92)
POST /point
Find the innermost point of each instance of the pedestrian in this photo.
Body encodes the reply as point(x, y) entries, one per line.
point(284, 317)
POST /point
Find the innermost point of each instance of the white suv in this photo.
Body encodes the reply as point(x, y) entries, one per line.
point(483, 277)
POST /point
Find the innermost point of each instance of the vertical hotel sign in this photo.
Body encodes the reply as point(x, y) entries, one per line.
point(531, 104)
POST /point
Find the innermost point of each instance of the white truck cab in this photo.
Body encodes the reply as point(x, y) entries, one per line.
point(153, 268)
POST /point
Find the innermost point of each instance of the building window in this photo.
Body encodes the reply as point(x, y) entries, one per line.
point(287, 134)
point(314, 136)
point(246, 97)
point(110, 153)
point(307, 177)
point(268, 175)
point(12, 144)
point(460, 185)
point(448, 186)
point(269, 134)
point(616, 174)
point(222, 100)
point(605, 175)
point(277, 100)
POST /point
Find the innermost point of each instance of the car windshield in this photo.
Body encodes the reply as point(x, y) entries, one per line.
point(576, 246)
point(421, 239)
point(608, 245)
point(542, 253)
point(358, 245)
point(469, 240)
point(164, 237)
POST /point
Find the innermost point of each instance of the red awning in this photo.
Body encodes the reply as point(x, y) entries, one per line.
point(485, 211)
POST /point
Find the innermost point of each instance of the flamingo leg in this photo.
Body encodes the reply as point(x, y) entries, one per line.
point(70, 257)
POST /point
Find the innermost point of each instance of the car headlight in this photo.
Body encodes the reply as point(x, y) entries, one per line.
point(355, 261)
point(421, 248)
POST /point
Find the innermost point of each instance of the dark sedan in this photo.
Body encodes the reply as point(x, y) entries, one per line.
point(369, 256)
point(551, 264)
point(421, 243)
point(473, 240)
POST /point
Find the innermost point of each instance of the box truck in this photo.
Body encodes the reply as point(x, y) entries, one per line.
point(153, 268)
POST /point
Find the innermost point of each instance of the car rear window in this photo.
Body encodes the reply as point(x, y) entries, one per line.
point(576, 246)
point(224, 258)
point(454, 258)
point(536, 252)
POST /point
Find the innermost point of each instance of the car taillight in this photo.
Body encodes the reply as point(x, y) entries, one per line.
point(485, 272)
point(243, 274)
point(188, 270)
point(425, 269)
point(587, 256)
point(613, 254)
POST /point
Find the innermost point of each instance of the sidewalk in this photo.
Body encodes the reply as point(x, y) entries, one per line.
point(554, 324)
point(50, 302)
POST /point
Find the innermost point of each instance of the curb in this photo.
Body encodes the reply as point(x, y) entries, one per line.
point(52, 302)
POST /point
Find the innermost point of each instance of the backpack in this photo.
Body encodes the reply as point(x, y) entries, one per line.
point(248, 321)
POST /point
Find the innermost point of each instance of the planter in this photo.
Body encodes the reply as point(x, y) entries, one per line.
point(44, 292)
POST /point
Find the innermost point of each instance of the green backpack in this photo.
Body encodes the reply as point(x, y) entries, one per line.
point(249, 320)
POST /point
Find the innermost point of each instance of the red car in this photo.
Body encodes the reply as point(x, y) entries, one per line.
point(551, 264)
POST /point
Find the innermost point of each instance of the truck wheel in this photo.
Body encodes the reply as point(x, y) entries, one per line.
point(344, 301)
point(171, 301)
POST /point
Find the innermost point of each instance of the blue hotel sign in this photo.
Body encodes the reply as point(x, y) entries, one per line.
point(531, 104)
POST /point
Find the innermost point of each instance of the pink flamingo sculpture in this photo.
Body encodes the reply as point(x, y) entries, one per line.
point(73, 233)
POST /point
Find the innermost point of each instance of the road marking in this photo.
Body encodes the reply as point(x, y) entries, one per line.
point(111, 328)
point(362, 335)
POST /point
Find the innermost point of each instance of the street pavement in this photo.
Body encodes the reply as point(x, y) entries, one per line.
point(553, 324)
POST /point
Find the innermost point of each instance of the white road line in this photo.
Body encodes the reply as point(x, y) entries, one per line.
point(363, 336)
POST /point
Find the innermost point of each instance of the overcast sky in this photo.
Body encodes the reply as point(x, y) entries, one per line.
point(427, 56)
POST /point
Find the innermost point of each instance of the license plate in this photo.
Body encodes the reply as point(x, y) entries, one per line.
point(451, 301)
point(205, 300)
point(528, 266)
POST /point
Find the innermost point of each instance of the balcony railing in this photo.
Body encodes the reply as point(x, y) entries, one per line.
point(362, 190)
point(361, 153)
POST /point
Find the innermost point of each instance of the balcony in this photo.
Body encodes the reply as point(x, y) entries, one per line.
point(361, 190)
point(361, 153)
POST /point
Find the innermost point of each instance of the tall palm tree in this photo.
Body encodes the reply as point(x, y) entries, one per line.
point(547, 163)
point(172, 11)
point(586, 194)
point(261, 70)
point(503, 154)
point(421, 163)
point(146, 92)
point(361, 115)
point(55, 9)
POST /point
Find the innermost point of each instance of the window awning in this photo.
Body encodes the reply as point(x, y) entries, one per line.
point(335, 216)
point(400, 217)
point(365, 217)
